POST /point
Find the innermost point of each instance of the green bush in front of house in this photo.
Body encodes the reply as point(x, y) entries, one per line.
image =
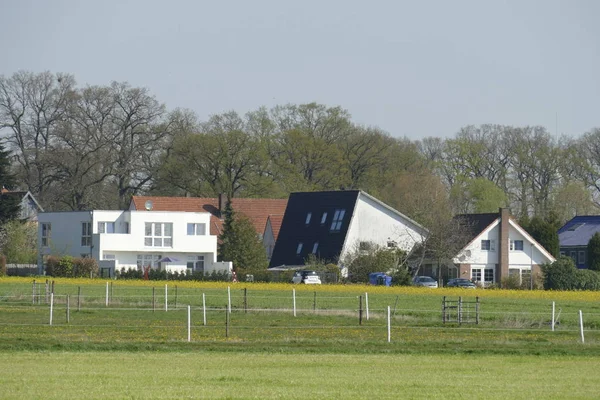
point(70, 267)
point(563, 275)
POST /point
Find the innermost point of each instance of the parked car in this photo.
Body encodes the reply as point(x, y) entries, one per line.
point(426, 281)
point(461, 283)
point(307, 277)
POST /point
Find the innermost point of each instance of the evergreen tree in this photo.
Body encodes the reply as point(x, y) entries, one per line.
point(9, 205)
point(546, 234)
point(593, 252)
point(240, 243)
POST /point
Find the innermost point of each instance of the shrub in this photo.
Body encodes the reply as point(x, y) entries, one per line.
point(64, 268)
point(2, 265)
point(560, 275)
point(130, 273)
point(85, 267)
point(511, 282)
point(587, 279)
point(51, 264)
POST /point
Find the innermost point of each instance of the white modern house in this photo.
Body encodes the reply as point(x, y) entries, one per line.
point(165, 240)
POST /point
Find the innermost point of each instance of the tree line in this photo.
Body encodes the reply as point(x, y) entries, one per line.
point(93, 147)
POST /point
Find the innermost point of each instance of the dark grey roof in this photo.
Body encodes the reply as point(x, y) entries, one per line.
point(579, 230)
point(294, 229)
point(474, 224)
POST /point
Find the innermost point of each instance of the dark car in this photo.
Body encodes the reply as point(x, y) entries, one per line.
point(461, 283)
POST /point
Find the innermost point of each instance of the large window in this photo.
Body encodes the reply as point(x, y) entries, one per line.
point(196, 229)
point(148, 260)
point(106, 227)
point(488, 245)
point(86, 233)
point(158, 234)
point(46, 234)
point(476, 275)
point(516, 245)
point(196, 263)
point(336, 223)
point(488, 275)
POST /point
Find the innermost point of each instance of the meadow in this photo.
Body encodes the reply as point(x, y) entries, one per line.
point(121, 341)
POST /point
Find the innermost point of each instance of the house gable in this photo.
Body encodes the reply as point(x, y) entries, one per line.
point(532, 252)
point(376, 222)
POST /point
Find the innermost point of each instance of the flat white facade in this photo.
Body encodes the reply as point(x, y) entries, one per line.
point(376, 222)
point(132, 239)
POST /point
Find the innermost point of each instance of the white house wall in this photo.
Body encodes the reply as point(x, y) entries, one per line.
point(374, 222)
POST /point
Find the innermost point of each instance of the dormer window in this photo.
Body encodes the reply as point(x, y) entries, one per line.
point(299, 248)
point(338, 217)
point(323, 218)
point(315, 247)
point(308, 215)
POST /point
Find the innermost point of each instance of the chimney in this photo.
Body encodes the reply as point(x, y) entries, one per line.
point(503, 245)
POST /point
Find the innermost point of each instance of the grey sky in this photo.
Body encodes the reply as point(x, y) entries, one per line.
point(415, 69)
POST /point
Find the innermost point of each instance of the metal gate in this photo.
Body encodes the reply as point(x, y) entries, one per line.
point(460, 311)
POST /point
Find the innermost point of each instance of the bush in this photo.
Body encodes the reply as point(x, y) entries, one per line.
point(587, 279)
point(85, 267)
point(560, 275)
point(511, 282)
point(51, 264)
point(2, 265)
point(130, 273)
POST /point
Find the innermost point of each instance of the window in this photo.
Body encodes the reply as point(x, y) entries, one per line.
point(516, 245)
point(488, 275)
point(488, 245)
point(158, 234)
point(107, 256)
point(323, 218)
point(336, 223)
point(308, 215)
point(476, 275)
point(574, 256)
point(106, 227)
point(299, 248)
point(196, 263)
point(86, 233)
point(46, 233)
point(562, 253)
point(581, 257)
point(315, 247)
point(391, 244)
point(148, 260)
point(196, 229)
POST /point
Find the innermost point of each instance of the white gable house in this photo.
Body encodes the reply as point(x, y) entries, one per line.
point(171, 241)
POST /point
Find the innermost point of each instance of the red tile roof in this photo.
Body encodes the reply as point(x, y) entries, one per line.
point(257, 210)
point(275, 220)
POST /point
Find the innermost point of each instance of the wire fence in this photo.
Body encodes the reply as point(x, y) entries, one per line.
point(163, 312)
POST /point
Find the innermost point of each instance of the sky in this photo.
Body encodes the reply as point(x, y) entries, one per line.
point(412, 68)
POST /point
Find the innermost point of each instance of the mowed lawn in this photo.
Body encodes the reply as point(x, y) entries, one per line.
point(218, 375)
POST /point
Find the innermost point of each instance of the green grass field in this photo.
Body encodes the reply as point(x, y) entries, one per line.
point(133, 348)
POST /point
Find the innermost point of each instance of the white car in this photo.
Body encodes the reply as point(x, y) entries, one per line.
point(307, 277)
point(426, 281)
